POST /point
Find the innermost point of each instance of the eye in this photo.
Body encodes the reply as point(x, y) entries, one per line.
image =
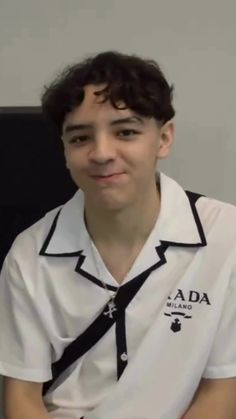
point(127, 133)
point(79, 139)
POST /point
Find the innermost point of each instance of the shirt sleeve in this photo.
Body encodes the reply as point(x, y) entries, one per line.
point(25, 351)
point(222, 359)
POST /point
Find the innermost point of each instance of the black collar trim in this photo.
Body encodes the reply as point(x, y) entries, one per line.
point(48, 238)
point(193, 197)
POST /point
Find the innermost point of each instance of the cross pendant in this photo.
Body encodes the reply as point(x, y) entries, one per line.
point(111, 308)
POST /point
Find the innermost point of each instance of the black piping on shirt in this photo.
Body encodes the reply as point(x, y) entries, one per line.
point(126, 293)
point(193, 197)
point(121, 346)
point(103, 322)
point(48, 239)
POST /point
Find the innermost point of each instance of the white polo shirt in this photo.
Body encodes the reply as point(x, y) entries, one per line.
point(178, 327)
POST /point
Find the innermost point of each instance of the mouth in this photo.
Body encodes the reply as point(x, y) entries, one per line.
point(108, 175)
point(107, 178)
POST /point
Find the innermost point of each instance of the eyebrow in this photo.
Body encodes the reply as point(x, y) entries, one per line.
point(129, 120)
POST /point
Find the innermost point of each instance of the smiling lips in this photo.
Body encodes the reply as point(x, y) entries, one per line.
point(109, 175)
point(107, 178)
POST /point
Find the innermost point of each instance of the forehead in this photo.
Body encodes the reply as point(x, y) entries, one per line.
point(93, 111)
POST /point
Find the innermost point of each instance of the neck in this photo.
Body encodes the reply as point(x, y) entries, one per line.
point(126, 228)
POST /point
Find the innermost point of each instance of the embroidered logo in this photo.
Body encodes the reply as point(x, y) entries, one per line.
point(180, 305)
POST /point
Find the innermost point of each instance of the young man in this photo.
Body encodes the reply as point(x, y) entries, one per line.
point(140, 271)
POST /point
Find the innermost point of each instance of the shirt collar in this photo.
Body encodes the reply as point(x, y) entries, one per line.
point(178, 223)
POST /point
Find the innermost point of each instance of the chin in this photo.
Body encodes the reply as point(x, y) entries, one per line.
point(110, 206)
point(106, 203)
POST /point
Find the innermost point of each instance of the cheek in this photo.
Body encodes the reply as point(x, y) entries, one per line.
point(74, 161)
point(147, 156)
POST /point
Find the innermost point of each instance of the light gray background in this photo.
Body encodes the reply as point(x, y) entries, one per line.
point(194, 42)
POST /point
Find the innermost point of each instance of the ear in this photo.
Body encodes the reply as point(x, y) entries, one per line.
point(166, 138)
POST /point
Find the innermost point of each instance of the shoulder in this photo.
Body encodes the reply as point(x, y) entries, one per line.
point(28, 242)
point(218, 222)
point(216, 214)
point(26, 248)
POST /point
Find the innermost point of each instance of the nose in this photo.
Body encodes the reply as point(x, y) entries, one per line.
point(102, 150)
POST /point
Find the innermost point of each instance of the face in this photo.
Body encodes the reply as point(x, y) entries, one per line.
point(112, 154)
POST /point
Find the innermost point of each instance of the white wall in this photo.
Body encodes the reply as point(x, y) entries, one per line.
point(194, 41)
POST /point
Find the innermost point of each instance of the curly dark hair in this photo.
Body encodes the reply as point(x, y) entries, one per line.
point(137, 82)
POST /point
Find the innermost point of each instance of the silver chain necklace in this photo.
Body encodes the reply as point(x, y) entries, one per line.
point(111, 303)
